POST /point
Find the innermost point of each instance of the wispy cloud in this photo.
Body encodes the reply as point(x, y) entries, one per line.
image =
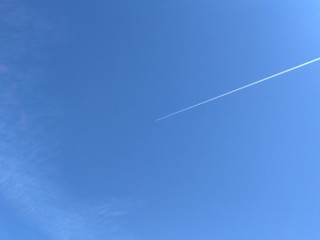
point(38, 200)
point(23, 180)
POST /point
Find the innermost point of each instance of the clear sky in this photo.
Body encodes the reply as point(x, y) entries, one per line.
point(82, 83)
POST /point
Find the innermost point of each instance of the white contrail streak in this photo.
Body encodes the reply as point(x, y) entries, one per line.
point(239, 89)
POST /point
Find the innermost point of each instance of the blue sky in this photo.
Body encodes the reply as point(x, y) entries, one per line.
point(82, 83)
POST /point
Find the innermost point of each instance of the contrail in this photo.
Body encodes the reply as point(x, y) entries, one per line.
point(239, 89)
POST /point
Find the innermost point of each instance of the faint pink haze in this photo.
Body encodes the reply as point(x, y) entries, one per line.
point(3, 68)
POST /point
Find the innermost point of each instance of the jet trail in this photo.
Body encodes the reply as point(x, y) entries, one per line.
point(239, 89)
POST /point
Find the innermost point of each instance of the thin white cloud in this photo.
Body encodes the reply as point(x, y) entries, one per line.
point(23, 180)
point(239, 89)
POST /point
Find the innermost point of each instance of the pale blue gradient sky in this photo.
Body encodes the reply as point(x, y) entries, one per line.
point(82, 83)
